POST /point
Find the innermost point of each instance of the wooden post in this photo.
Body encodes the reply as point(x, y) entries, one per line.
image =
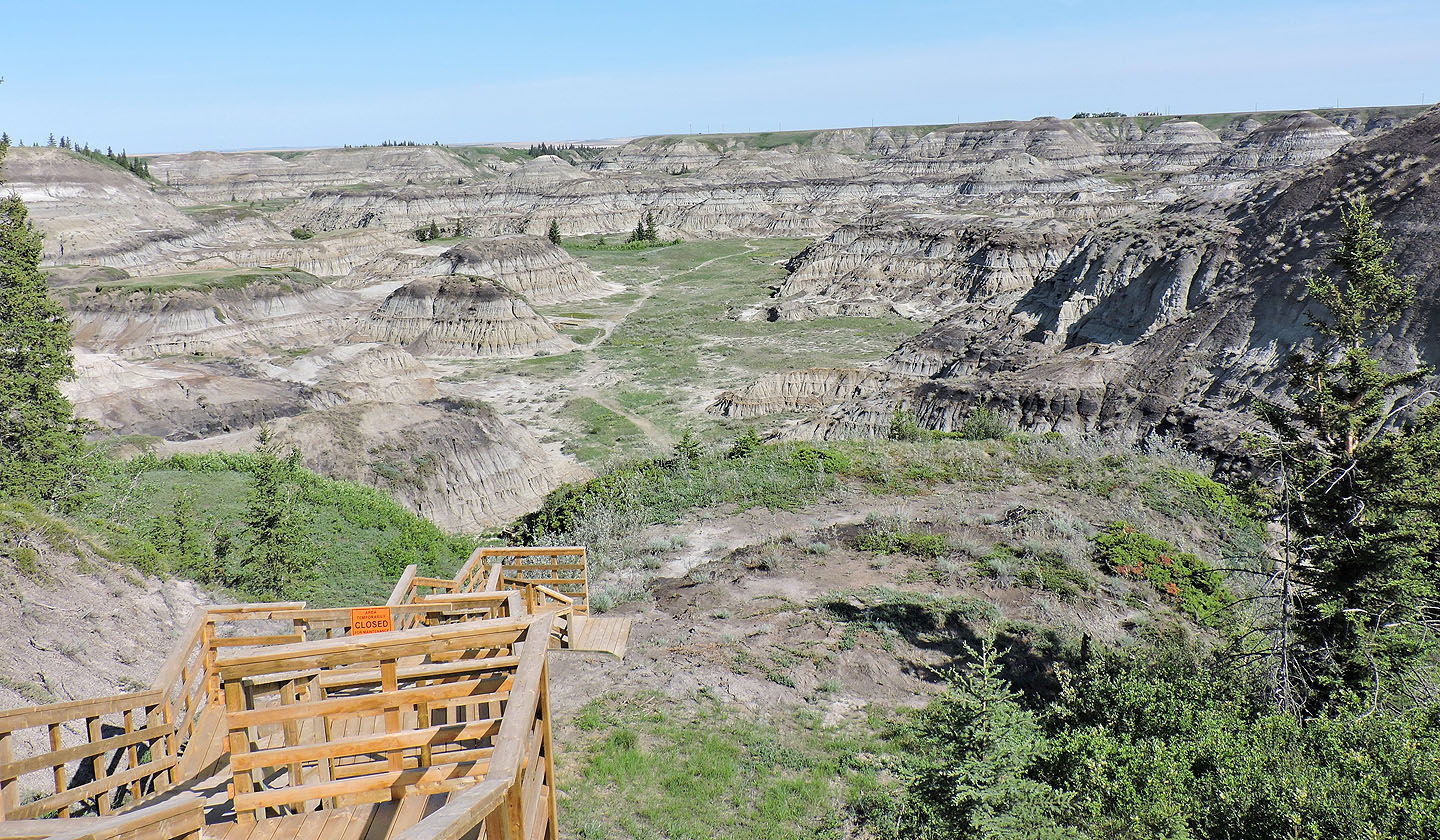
point(389, 684)
point(55, 746)
point(9, 788)
point(552, 831)
point(132, 755)
point(96, 734)
point(239, 739)
point(288, 697)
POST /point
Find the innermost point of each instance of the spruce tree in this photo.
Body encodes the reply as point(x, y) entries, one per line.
point(553, 234)
point(971, 772)
point(278, 556)
point(434, 230)
point(40, 439)
point(650, 235)
point(1359, 492)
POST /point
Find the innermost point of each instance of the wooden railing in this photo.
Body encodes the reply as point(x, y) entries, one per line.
point(102, 754)
point(339, 722)
point(106, 755)
point(560, 568)
point(516, 799)
point(180, 818)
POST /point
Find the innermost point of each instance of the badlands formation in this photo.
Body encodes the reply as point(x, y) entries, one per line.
point(1116, 275)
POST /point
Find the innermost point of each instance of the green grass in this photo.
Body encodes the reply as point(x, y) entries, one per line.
point(652, 768)
point(600, 432)
point(582, 335)
point(362, 539)
point(205, 281)
point(687, 331)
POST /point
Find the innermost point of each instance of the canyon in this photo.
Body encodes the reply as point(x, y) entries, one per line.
point(1118, 276)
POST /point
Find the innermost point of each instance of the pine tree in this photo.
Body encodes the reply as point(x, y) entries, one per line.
point(434, 230)
point(278, 556)
point(970, 774)
point(1359, 491)
point(688, 449)
point(650, 235)
point(553, 234)
point(40, 440)
point(51, 141)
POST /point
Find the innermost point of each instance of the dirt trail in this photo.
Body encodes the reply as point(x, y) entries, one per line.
point(593, 371)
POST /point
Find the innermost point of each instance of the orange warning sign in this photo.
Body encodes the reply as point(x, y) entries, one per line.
point(370, 620)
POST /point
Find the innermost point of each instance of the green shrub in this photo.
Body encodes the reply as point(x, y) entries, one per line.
point(745, 445)
point(890, 538)
point(904, 426)
point(1167, 744)
point(1182, 577)
point(984, 424)
point(302, 233)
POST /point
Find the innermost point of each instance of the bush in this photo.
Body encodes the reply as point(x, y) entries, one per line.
point(302, 233)
point(1162, 743)
point(890, 536)
point(1182, 577)
point(745, 445)
point(984, 424)
point(904, 426)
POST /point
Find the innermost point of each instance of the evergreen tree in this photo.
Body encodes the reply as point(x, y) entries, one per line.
point(649, 233)
point(553, 234)
point(972, 772)
point(51, 141)
point(688, 449)
point(40, 440)
point(179, 537)
point(1359, 494)
point(278, 556)
point(434, 230)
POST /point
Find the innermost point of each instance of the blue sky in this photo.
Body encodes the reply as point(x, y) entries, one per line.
point(178, 76)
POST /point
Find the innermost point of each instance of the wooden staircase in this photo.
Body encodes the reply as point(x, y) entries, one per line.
point(273, 721)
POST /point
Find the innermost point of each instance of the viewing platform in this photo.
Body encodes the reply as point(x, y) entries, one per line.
point(426, 718)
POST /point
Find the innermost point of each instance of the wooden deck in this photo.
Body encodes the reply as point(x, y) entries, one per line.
point(602, 634)
point(384, 821)
point(274, 721)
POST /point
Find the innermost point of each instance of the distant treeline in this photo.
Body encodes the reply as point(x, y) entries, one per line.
point(572, 150)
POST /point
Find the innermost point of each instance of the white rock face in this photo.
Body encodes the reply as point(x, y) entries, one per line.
point(262, 314)
point(458, 315)
point(799, 390)
point(91, 212)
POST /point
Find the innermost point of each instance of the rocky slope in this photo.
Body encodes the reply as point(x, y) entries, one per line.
point(262, 310)
point(91, 212)
point(459, 315)
point(530, 266)
point(78, 626)
point(258, 176)
point(805, 183)
point(1169, 322)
